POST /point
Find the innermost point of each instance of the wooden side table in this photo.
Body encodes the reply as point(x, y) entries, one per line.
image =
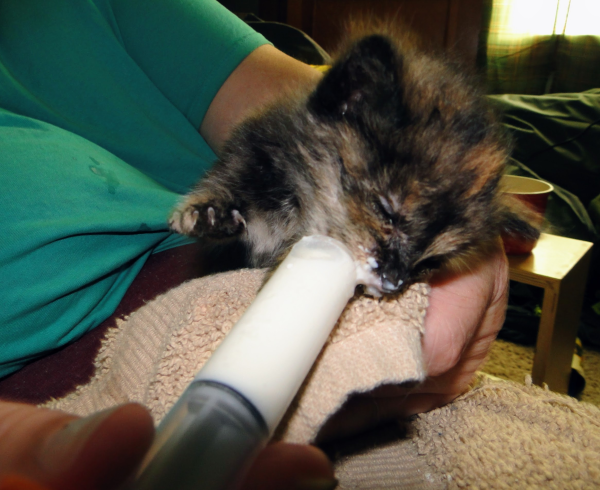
point(560, 266)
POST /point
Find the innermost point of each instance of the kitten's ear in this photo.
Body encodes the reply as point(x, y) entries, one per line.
point(368, 73)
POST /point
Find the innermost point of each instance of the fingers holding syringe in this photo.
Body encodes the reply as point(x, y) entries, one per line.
point(50, 449)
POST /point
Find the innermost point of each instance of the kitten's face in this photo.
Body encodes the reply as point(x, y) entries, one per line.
point(418, 159)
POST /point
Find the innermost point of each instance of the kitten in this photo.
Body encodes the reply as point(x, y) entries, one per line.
point(394, 153)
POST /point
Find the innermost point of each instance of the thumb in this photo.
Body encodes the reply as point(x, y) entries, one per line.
point(65, 452)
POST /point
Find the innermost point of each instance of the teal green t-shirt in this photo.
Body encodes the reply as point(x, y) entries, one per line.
point(100, 105)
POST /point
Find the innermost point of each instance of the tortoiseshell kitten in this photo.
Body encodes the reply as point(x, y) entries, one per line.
point(393, 153)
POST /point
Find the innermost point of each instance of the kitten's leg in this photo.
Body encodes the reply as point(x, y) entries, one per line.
point(203, 213)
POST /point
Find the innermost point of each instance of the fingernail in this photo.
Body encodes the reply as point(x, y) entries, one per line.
point(316, 484)
point(61, 449)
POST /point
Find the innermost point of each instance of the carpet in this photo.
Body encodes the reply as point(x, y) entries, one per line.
point(514, 362)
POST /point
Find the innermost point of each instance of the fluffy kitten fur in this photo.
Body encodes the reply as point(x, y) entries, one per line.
point(394, 153)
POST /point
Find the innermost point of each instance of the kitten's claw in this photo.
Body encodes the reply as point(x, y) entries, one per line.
point(222, 223)
point(211, 215)
point(238, 218)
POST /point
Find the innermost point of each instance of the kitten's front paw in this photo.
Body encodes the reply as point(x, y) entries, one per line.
point(207, 220)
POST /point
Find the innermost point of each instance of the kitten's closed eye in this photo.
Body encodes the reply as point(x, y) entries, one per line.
point(385, 208)
point(427, 265)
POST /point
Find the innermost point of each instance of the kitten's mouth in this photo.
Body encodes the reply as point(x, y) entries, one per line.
point(374, 281)
point(389, 287)
point(370, 280)
point(374, 284)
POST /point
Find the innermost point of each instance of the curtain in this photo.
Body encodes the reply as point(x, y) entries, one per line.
point(541, 46)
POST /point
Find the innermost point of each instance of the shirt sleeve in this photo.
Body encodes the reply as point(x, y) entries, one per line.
point(187, 48)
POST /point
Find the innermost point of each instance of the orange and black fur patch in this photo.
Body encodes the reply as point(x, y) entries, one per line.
point(394, 152)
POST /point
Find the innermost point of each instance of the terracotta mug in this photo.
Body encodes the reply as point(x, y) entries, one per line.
point(534, 193)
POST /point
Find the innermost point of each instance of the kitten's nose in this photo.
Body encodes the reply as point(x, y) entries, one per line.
point(393, 271)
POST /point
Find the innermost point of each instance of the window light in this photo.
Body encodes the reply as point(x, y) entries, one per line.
point(544, 17)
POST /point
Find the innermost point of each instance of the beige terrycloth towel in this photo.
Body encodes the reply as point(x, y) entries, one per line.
point(153, 356)
point(499, 435)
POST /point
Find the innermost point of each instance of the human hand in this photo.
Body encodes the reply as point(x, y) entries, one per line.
point(466, 311)
point(45, 449)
